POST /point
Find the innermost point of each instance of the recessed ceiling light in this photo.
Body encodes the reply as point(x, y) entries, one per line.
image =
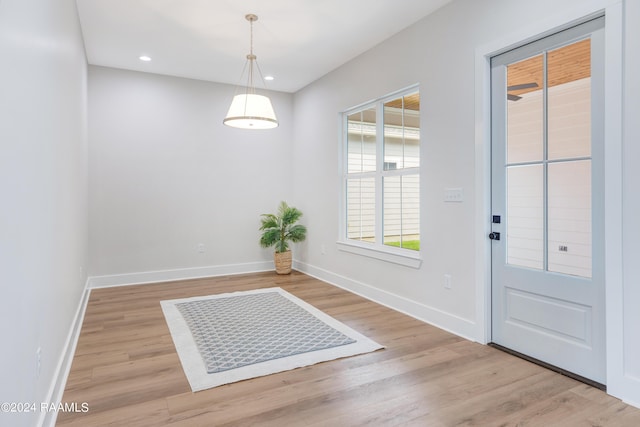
point(145, 58)
point(269, 78)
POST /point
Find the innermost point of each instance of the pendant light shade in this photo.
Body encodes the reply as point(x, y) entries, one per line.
point(249, 110)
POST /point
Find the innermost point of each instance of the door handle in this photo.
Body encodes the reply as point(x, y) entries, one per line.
point(494, 235)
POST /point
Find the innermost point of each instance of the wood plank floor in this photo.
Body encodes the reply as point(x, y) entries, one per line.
point(126, 368)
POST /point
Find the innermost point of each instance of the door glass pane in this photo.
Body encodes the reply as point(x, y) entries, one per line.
point(525, 124)
point(525, 220)
point(361, 144)
point(402, 132)
point(402, 211)
point(569, 206)
point(569, 101)
point(361, 216)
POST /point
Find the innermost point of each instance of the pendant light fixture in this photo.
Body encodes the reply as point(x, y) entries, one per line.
point(249, 110)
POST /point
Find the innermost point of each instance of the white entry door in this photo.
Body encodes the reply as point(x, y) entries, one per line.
point(547, 200)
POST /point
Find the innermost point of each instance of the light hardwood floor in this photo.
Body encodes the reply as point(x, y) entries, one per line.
point(127, 370)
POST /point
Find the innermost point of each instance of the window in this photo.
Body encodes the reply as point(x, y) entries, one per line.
point(381, 177)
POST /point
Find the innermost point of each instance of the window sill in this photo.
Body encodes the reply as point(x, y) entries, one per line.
point(408, 259)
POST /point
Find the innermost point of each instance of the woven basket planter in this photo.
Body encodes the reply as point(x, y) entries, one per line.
point(282, 260)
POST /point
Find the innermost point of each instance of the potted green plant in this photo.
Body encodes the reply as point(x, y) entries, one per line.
point(280, 229)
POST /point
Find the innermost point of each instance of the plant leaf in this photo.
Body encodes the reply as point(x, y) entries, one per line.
point(279, 229)
point(297, 233)
point(270, 237)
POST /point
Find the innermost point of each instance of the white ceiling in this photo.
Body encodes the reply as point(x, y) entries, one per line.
point(296, 41)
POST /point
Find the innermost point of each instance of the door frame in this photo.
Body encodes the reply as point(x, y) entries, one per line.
point(612, 172)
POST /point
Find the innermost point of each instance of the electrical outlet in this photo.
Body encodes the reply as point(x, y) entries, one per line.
point(201, 248)
point(38, 361)
point(447, 281)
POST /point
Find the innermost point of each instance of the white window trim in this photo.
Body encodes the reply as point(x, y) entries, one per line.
point(377, 250)
point(406, 257)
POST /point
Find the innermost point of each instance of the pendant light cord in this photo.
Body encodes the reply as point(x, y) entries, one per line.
point(251, 36)
point(251, 57)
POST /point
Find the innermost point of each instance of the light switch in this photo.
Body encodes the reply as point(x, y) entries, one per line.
point(453, 195)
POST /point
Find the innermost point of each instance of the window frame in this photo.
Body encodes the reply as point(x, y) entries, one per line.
point(377, 249)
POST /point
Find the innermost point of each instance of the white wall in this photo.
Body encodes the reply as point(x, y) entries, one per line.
point(43, 187)
point(166, 175)
point(439, 53)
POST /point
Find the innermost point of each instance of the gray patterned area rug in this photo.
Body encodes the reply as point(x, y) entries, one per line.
point(232, 337)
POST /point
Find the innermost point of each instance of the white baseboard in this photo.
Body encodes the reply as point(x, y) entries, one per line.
point(456, 325)
point(177, 274)
point(443, 320)
point(626, 388)
point(632, 403)
point(56, 390)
